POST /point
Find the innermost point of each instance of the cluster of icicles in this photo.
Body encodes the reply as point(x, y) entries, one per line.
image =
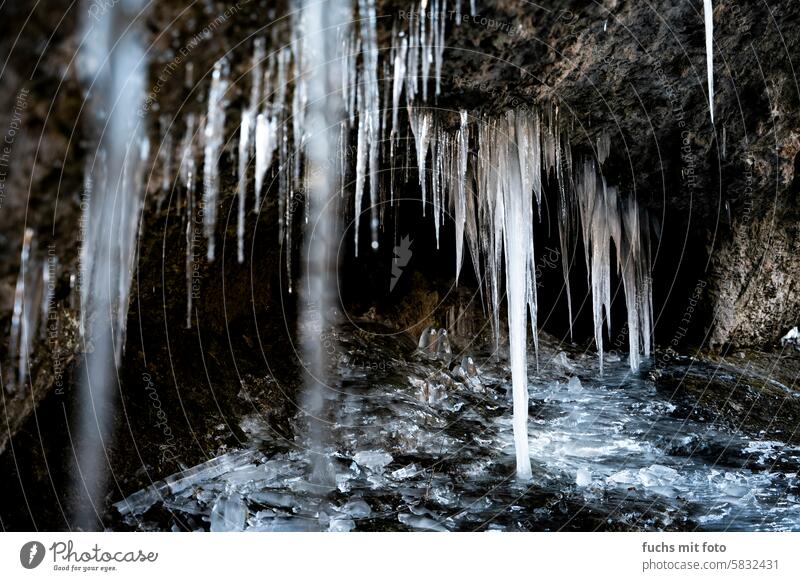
point(486, 172)
point(33, 299)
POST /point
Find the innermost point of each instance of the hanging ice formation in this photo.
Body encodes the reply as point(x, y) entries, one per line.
point(323, 57)
point(214, 140)
point(113, 63)
point(489, 173)
point(28, 303)
point(708, 18)
point(247, 129)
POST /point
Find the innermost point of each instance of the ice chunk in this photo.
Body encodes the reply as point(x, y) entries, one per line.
point(374, 460)
point(357, 508)
point(142, 500)
point(623, 477)
point(735, 490)
point(279, 499)
point(791, 338)
point(657, 475)
point(229, 514)
point(405, 472)
point(443, 343)
point(574, 385)
point(427, 338)
point(468, 367)
point(341, 525)
point(583, 478)
point(420, 522)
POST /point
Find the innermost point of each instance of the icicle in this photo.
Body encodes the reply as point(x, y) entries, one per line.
point(603, 147)
point(438, 151)
point(398, 80)
point(708, 17)
point(165, 155)
point(604, 218)
point(413, 58)
point(634, 267)
point(371, 105)
point(116, 71)
point(426, 47)
point(266, 143)
point(724, 142)
point(246, 132)
point(326, 111)
point(421, 127)
point(503, 180)
point(440, 13)
point(190, 247)
point(565, 223)
point(25, 315)
point(188, 175)
point(471, 227)
point(461, 190)
point(214, 140)
point(351, 49)
point(187, 169)
point(361, 164)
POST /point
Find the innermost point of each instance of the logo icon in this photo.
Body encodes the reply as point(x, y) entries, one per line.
point(31, 554)
point(402, 254)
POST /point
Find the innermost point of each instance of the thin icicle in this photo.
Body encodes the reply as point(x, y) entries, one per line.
point(165, 155)
point(708, 17)
point(421, 127)
point(371, 105)
point(441, 17)
point(188, 171)
point(214, 140)
point(461, 189)
point(246, 133)
point(398, 80)
point(361, 164)
point(266, 143)
point(25, 316)
point(603, 147)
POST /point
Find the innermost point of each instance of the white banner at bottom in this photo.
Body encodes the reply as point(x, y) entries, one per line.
point(401, 556)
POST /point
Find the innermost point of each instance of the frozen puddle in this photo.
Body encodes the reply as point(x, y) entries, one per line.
point(426, 446)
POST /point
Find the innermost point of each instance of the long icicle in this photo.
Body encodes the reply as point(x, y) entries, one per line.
point(708, 17)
